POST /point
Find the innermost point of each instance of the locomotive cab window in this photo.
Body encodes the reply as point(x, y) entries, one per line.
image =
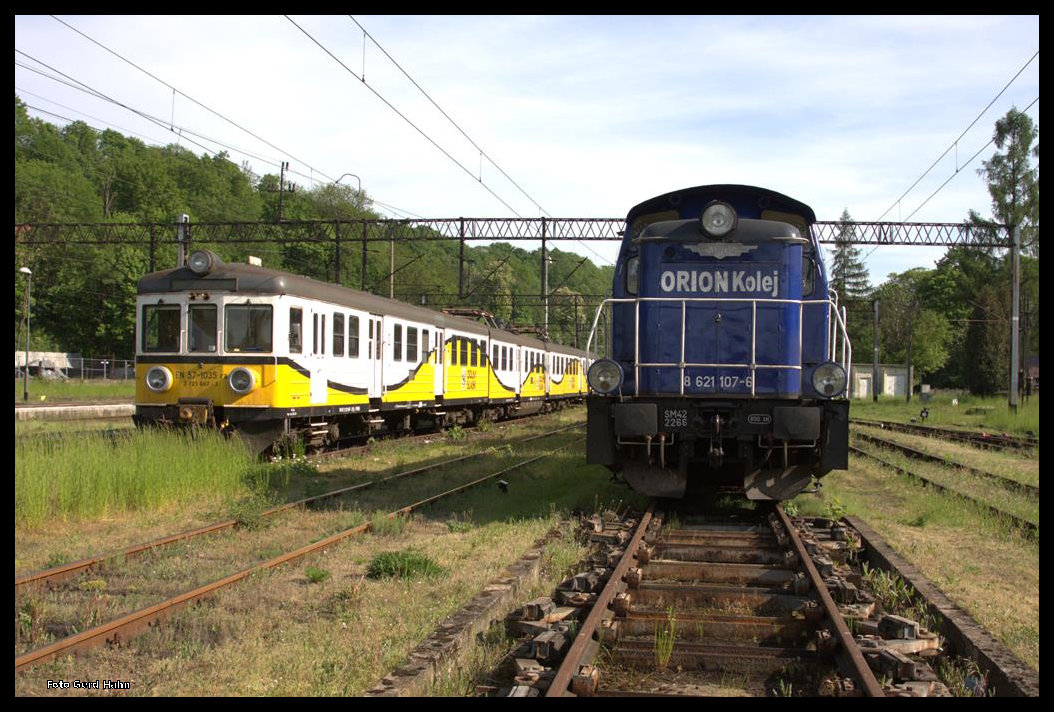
point(808, 276)
point(160, 327)
point(202, 335)
point(247, 327)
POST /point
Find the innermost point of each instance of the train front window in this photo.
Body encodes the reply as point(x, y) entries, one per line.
point(247, 327)
point(202, 335)
point(160, 327)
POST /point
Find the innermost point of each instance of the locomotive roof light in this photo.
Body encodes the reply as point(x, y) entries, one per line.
point(201, 262)
point(829, 380)
point(605, 376)
point(158, 379)
point(241, 380)
point(718, 219)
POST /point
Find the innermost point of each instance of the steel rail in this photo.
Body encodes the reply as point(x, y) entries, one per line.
point(981, 439)
point(1028, 527)
point(848, 650)
point(562, 680)
point(130, 625)
point(1004, 482)
point(64, 572)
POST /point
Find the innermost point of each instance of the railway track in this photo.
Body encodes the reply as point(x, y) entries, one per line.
point(124, 627)
point(1004, 482)
point(740, 606)
point(1026, 526)
point(710, 605)
point(58, 574)
point(987, 440)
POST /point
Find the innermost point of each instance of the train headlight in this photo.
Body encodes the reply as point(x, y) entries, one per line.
point(829, 380)
point(718, 219)
point(605, 376)
point(158, 379)
point(241, 380)
point(201, 262)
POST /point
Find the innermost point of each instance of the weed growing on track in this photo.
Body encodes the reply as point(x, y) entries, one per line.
point(665, 637)
point(403, 564)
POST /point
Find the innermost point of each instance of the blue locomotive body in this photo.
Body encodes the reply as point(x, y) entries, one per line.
point(726, 353)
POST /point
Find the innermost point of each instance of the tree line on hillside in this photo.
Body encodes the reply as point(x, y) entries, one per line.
point(83, 297)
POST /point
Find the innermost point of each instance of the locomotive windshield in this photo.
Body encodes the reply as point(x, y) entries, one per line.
point(160, 328)
point(202, 336)
point(248, 327)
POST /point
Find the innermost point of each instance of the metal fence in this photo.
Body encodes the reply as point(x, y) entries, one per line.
point(61, 367)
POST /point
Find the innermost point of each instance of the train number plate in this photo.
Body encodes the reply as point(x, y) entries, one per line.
point(674, 418)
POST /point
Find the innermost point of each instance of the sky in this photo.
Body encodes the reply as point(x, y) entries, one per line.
point(562, 116)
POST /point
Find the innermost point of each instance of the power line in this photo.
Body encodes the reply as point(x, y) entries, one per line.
point(190, 98)
point(991, 141)
point(160, 122)
point(956, 141)
point(447, 116)
point(401, 115)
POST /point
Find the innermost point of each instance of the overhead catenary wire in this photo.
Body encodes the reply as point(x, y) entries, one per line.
point(401, 115)
point(956, 141)
point(468, 138)
point(192, 99)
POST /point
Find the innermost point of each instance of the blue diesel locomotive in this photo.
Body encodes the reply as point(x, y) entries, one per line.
point(726, 351)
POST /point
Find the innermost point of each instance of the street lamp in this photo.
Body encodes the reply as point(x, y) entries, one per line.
point(29, 290)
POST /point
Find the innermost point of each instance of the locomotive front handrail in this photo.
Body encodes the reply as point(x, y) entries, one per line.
point(835, 316)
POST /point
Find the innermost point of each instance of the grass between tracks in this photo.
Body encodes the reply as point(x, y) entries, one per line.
point(992, 414)
point(322, 626)
point(980, 561)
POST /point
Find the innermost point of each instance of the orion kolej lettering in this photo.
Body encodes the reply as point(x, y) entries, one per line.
point(721, 281)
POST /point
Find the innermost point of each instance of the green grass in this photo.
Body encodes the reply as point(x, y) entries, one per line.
point(403, 564)
point(86, 477)
point(943, 413)
point(76, 390)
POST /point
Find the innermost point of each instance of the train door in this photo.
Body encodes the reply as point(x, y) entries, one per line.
point(437, 347)
point(319, 372)
point(374, 351)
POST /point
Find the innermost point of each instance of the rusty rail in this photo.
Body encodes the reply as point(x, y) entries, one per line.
point(64, 572)
point(130, 625)
point(573, 659)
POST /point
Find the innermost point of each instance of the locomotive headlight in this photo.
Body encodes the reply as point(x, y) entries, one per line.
point(718, 219)
point(605, 376)
point(158, 379)
point(241, 380)
point(829, 380)
point(201, 262)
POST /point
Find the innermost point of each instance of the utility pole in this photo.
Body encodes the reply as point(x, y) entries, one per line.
point(911, 335)
point(281, 187)
point(545, 282)
point(182, 237)
point(1015, 313)
point(874, 368)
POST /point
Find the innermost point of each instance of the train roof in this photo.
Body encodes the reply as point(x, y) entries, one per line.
point(774, 200)
point(251, 279)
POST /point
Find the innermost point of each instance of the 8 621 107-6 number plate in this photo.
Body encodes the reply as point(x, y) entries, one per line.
point(674, 418)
